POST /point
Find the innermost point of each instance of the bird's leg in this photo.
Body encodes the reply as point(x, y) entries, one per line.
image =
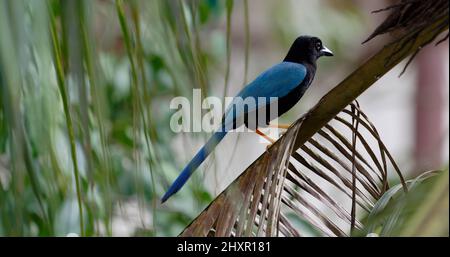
point(271, 140)
point(280, 126)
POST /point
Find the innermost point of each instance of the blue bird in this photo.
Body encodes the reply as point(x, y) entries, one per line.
point(282, 85)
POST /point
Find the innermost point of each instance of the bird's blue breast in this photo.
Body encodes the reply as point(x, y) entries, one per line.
point(275, 83)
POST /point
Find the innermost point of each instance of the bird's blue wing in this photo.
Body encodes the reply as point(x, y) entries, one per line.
point(277, 81)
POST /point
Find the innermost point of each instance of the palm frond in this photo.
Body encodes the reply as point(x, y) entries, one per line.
point(260, 202)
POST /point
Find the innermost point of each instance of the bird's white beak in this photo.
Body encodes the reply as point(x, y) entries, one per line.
point(326, 52)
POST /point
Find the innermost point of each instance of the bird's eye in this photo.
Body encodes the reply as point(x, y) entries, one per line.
point(318, 45)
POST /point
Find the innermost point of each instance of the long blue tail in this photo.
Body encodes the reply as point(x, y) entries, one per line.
point(194, 163)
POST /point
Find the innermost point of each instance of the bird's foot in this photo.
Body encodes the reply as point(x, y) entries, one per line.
point(280, 126)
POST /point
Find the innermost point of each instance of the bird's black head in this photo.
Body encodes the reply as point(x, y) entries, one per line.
point(306, 49)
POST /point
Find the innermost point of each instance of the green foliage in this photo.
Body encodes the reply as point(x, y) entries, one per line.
point(79, 135)
point(423, 211)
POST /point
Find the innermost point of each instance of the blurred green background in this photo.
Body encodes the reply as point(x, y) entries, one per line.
point(85, 88)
